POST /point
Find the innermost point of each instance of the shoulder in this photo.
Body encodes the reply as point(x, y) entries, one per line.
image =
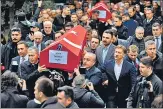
point(16, 58)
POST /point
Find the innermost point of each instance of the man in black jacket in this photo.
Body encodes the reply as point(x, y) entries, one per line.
point(10, 49)
point(83, 97)
point(65, 97)
point(30, 71)
point(149, 21)
point(150, 50)
point(10, 96)
point(44, 89)
point(122, 30)
point(48, 31)
point(61, 20)
point(134, 16)
point(147, 86)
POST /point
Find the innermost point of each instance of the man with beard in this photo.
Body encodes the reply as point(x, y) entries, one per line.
point(138, 39)
point(10, 49)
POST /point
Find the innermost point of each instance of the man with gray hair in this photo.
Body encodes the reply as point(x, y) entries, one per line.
point(86, 98)
point(150, 50)
point(38, 37)
point(138, 39)
point(31, 71)
point(48, 32)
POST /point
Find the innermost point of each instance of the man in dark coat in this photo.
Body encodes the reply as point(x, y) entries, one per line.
point(138, 39)
point(134, 16)
point(48, 32)
point(122, 30)
point(121, 76)
point(10, 96)
point(30, 71)
point(150, 50)
point(149, 21)
point(10, 49)
point(83, 97)
point(23, 56)
point(45, 87)
point(65, 97)
point(62, 19)
point(147, 86)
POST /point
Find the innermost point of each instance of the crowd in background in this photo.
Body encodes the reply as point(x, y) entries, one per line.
point(121, 64)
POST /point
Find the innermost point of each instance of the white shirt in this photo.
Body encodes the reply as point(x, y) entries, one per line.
point(117, 69)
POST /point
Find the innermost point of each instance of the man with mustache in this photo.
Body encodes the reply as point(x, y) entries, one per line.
point(121, 76)
point(10, 49)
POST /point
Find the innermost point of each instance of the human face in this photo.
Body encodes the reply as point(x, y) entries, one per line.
point(156, 31)
point(37, 38)
point(79, 14)
point(88, 61)
point(74, 18)
point(34, 29)
point(84, 19)
point(94, 43)
point(89, 35)
point(16, 36)
point(155, 5)
point(117, 22)
point(36, 92)
point(22, 50)
point(139, 34)
point(45, 17)
point(149, 14)
point(106, 39)
point(151, 51)
point(47, 28)
point(33, 56)
point(62, 99)
point(67, 28)
point(95, 16)
point(67, 11)
point(132, 55)
point(144, 69)
point(57, 36)
point(131, 12)
point(119, 54)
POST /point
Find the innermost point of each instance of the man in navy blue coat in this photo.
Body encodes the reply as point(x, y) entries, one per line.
point(121, 77)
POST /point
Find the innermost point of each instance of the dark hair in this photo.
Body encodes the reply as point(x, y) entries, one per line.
point(147, 61)
point(23, 42)
point(119, 17)
point(158, 102)
point(4, 40)
point(73, 14)
point(46, 86)
point(109, 31)
point(69, 24)
point(16, 29)
point(68, 91)
point(8, 79)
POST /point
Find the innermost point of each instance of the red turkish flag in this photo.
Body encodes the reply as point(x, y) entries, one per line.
point(65, 53)
point(104, 14)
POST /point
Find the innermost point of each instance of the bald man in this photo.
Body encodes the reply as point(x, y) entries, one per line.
point(48, 31)
point(38, 37)
point(92, 73)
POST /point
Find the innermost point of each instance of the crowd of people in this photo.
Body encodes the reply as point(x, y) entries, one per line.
point(121, 65)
